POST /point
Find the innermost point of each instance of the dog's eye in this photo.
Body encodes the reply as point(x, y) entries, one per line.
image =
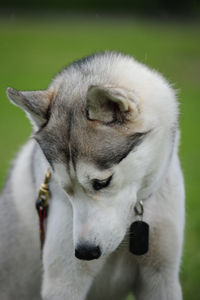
point(100, 184)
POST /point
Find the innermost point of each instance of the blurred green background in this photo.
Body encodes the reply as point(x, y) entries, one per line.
point(34, 47)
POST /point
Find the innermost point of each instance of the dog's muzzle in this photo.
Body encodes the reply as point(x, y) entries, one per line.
point(87, 252)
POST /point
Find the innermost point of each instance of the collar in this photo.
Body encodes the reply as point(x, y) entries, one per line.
point(42, 206)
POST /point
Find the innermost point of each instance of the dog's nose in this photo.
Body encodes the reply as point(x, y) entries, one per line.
point(87, 252)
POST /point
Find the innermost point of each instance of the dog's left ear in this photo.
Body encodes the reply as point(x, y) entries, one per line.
point(35, 103)
point(109, 104)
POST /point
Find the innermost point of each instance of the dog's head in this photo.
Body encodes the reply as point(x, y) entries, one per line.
point(107, 126)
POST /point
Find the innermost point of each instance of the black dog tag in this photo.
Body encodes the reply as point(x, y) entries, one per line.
point(139, 238)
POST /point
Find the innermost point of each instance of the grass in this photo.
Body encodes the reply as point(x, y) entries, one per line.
point(32, 51)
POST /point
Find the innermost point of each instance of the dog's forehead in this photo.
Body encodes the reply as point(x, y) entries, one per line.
point(102, 145)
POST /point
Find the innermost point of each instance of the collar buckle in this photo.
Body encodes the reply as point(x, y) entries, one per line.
point(42, 206)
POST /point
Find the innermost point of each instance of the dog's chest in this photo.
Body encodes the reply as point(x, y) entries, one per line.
point(115, 278)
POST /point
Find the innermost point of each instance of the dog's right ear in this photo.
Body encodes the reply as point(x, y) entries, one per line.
point(36, 104)
point(110, 104)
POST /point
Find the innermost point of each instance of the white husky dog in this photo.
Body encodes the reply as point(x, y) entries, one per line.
point(106, 127)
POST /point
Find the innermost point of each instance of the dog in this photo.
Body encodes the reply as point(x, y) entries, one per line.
point(107, 130)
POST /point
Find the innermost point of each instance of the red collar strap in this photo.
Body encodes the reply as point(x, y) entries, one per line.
point(42, 206)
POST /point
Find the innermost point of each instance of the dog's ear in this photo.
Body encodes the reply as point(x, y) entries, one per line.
point(35, 103)
point(110, 104)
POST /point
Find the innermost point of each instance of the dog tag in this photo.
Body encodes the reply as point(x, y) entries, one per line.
point(139, 238)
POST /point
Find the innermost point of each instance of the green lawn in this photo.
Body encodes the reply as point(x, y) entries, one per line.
point(32, 51)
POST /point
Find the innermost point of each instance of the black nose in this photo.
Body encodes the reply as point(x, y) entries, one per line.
point(87, 252)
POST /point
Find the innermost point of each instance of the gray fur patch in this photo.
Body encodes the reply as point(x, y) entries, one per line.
point(69, 135)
